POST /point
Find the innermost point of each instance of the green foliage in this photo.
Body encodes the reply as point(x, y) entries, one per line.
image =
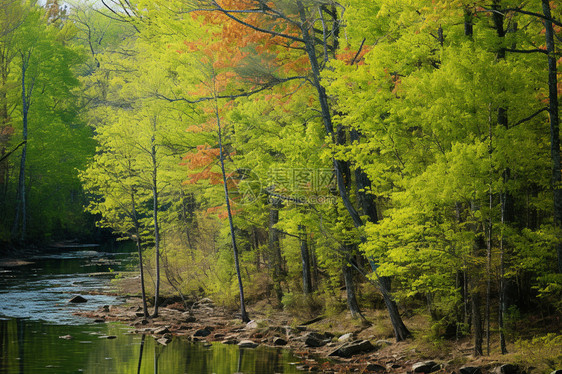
point(541, 352)
point(304, 306)
point(40, 58)
point(415, 109)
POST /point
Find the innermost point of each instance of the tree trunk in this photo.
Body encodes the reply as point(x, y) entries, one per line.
point(243, 314)
point(401, 332)
point(352, 304)
point(477, 323)
point(399, 327)
point(139, 249)
point(554, 124)
point(275, 248)
point(5, 134)
point(21, 209)
point(305, 258)
point(156, 224)
point(365, 199)
point(502, 306)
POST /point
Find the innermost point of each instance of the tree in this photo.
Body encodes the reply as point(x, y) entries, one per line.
point(260, 22)
point(44, 62)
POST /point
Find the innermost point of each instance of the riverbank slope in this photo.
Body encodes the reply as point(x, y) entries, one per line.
point(336, 343)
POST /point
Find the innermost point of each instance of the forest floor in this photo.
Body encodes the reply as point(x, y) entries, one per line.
point(316, 340)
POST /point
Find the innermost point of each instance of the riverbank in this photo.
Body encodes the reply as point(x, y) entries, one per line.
point(328, 344)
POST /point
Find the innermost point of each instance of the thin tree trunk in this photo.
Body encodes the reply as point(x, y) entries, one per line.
point(4, 127)
point(502, 307)
point(139, 249)
point(243, 314)
point(554, 124)
point(314, 263)
point(275, 248)
point(305, 258)
point(489, 242)
point(156, 223)
point(21, 210)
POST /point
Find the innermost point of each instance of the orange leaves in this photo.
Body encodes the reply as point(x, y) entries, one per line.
point(204, 156)
point(6, 131)
point(349, 55)
point(201, 163)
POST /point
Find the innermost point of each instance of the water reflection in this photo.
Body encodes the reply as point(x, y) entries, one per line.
point(140, 354)
point(49, 339)
point(33, 347)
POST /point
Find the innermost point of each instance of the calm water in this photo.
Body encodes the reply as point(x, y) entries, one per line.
point(35, 316)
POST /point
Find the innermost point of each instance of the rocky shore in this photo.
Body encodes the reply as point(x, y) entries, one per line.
point(357, 351)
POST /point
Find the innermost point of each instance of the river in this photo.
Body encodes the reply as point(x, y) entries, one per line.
point(40, 334)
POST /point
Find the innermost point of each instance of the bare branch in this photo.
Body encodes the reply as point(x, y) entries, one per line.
point(520, 10)
point(530, 117)
point(324, 35)
point(119, 18)
point(537, 50)
point(266, 86)
point(228, 13)
point(358, 52)
point(5, 156)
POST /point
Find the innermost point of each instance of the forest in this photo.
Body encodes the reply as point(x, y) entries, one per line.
point(321, 155)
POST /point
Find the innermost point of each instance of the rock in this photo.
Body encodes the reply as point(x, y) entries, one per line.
point(161, 331)
point(251, 325)
point(349, 349)
point(382, 343)
point(346, 337)
point(202, 332)
point(279, 341)
point(230, 340)
point(557, 371)
point(99, 320)
point(164, 340)
point(314, 339)
point(108, 337)
point(470, 370)
point(510, 369)
point(188, 317)
point(78, 299)
point(66, 337)
point(425, 367)
point(203, 303)
point(247, 344)
point(205, 300)
point(375, 367)
point(139, 314)
point(314, 320)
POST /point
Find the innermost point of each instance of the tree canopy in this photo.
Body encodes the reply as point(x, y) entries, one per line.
point(409, 151)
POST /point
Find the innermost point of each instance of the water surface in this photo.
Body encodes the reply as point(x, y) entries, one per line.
point(40, 334)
